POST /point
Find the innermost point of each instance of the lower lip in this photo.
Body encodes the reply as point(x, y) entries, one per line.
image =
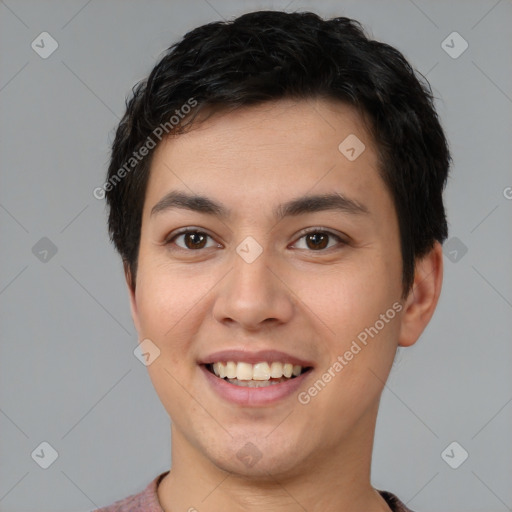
point(253, 396)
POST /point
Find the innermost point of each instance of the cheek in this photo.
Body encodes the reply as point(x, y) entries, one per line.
point(349, 298)
point(167, 305)
point(359, 329)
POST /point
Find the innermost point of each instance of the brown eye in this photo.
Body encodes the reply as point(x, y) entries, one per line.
point(318, 240)
point(194, 240)
point(190, 240)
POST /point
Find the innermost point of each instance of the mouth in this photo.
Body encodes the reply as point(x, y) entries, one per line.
point(258, 375)
point(254, 379)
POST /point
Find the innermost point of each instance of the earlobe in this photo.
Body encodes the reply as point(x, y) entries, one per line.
point(423, 297)
point(131, 293)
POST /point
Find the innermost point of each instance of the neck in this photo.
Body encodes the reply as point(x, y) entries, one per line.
point(338, 479)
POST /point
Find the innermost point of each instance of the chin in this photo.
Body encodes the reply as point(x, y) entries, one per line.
point(257, 457)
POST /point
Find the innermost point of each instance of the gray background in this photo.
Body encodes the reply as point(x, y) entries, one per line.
point(68, 375)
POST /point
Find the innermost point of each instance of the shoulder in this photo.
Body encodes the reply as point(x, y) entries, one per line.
point(144, 501)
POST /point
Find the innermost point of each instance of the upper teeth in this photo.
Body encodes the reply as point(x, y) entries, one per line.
point(258, 371)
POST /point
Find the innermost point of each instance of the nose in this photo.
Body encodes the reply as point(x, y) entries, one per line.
point(254, 295)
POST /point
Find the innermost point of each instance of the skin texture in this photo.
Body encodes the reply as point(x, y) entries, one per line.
point(307, 301)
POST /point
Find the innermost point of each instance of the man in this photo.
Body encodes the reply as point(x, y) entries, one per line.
point(275, 192)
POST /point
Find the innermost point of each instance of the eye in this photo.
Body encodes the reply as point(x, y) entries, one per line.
point(318, 239)
point(193, 239)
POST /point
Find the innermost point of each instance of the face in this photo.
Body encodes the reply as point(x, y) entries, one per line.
point(267, 282)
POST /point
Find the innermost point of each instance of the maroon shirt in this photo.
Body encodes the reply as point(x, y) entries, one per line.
point(147, 500)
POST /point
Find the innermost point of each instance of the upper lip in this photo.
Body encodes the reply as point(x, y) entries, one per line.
point(244, 356)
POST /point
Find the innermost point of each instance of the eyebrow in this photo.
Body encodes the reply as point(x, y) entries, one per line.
point(299, 206)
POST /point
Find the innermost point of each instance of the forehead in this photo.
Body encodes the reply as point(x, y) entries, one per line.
point(270, 152)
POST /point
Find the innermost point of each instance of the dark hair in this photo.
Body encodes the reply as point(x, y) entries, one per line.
point(271, 55)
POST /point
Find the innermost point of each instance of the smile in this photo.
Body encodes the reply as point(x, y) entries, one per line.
point(252, 392)
point(254, 378)
point(257, 375)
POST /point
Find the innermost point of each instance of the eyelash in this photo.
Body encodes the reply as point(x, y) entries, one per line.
point(184, 231)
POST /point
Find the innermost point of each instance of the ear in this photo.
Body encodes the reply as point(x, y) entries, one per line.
point(422, 299)
point(131, 292)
